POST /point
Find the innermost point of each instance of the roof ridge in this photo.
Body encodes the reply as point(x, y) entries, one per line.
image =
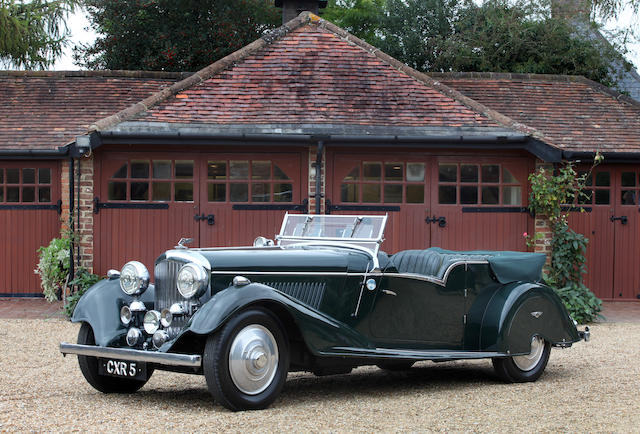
point(277, 34)
point(122, 73)
point(551, 77)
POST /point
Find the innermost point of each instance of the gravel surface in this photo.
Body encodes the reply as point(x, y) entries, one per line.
point(590, 387)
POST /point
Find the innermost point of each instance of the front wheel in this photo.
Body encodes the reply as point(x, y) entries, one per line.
point(89, 368)
point(525, 368)
point(246, 363)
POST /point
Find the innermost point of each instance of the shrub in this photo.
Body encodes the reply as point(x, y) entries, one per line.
point(82, 281)
point(53, 267)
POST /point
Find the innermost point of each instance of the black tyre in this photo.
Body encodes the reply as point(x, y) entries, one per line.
point(522, 369)
point(396, 366)
point(246, 363)
point(102, 383)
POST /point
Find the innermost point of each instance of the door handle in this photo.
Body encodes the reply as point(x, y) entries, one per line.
point(388, 292)
point(442, 221)
point(623, 219)
point(209, 218)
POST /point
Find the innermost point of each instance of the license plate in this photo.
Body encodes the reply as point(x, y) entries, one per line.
point(122, 369)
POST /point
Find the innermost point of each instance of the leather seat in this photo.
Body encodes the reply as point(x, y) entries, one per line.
point(429, 262)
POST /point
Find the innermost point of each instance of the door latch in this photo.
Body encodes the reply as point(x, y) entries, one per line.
point(442, 221)
point(623, 219)
point(209, 218)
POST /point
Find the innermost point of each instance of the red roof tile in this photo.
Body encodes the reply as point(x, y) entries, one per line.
point(576, 114)
point(44, 110)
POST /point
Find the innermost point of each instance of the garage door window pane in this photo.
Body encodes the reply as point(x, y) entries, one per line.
point(371, 193)
point(217, 170)
point(162, 169)
point(353, 175)
point(447, 194)
point(628, 179)
point(372, 171)
point(260, 192)
point(491, 173)
point(415, 194)
point(283, 192)
point(183, 191)
point(349, 192)
point(238, 170)
point(217, 192)
point(448, 173)
point(117, 191)
point(585, 197)
point(603, 179)
point(13, 194)
point(121, 172)
point(239, 192)
point(44, 176)
point(139, 190)
point(28, 176)
point(393, 172)
point(507, 177)
point(44, 194)
point(1, 194)
point(278, 173)
point(511, 195)
point(28, 194)
point(162, 191)
point(13, 176)
point(184, 170)
point(490, 195)
point(260, 169)
point(628, 197)
point(415, 172)
point(469, 195)
point(602, 197)
point(393, 193)
point(1, 176)
point(469, 174)
point(139, 169)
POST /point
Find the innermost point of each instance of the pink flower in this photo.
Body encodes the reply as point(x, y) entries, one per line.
point(525, 235)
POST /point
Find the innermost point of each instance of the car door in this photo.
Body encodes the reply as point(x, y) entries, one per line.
point(415, 312)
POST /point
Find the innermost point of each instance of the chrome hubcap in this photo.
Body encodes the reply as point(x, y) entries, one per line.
point(253, 359)
point(529, 361)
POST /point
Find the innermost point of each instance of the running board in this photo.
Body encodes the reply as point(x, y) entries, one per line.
point(383, 353)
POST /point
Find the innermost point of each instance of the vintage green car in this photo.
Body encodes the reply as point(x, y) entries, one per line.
point(323, 299)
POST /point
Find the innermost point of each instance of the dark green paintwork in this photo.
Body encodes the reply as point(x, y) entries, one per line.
point(423, 316)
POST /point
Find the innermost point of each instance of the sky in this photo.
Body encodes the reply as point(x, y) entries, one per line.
point(80, 33)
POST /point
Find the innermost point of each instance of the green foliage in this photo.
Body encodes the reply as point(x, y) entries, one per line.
point(33, 33)
point(82, 281)
point(460, 35)
point(172, 35)
point(53, 267)
point(549, 193)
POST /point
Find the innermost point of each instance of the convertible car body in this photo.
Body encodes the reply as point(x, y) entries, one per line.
point(324, 299)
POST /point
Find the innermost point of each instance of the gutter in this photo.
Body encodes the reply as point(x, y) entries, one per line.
point(609, 157)
point(44, 154)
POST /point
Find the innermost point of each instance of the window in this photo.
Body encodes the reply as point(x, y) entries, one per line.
point(630, 188)
point(152, 180)
point(384, 182)
point(477, 184)
point(247, 181)
point(599, 192)
point(25, 185)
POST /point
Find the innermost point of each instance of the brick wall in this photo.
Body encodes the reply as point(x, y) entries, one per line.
point(543, 245)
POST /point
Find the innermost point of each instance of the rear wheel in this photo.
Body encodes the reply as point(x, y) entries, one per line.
point(246, 363)
point(525, 368)
point(89, 368)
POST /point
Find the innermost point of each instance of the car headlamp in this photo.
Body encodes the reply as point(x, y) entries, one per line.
point(192, 280)
point(134, 278)
point(151, 321)
point(125, 315)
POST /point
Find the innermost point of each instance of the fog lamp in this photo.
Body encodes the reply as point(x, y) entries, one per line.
point(159, 338)
point(133, 336)
point(151, 321)
point(166, 317)
point(125, 315)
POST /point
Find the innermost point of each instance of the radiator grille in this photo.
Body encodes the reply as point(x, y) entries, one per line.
point(309, 293)
point(166, 274)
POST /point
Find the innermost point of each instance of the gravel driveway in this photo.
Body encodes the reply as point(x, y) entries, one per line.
point(591, 387)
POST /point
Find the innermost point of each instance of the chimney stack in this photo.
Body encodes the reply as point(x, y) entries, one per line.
point(293, 8)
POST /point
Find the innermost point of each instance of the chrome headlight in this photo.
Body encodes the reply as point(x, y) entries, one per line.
point(192, 280)
point(134, 278)
point(125, 315)
point(151, 321)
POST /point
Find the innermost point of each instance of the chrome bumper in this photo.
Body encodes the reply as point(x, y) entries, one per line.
point(585, 334)
point(169, 359)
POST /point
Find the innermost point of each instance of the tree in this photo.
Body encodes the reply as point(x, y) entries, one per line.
point(460, 35)
point(33, 33)
point(172, 35)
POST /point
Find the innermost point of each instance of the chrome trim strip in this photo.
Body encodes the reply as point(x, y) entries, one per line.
point(169, 359)
point(188, 256)
point(411, 354)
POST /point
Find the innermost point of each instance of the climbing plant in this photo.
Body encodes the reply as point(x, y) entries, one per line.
point(552, 194)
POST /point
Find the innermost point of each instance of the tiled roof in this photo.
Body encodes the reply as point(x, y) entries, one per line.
point(45, 110)
point(311, 72)
point(576, 114)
